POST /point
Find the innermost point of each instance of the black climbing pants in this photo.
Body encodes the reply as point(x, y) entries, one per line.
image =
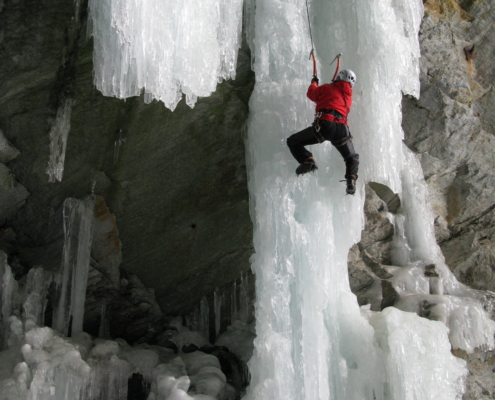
point(336, 134)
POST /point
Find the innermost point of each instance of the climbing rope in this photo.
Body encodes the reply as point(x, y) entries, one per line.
point(312, 54)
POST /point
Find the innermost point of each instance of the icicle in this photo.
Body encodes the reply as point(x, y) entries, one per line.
point(204, 318)
point(118, 143)
point(217, 302)
point(164, 48)
point(233, 303)
point(72, 281)
point(243, 298)
point(9, 291)
point(58, 141)
point(104, 331)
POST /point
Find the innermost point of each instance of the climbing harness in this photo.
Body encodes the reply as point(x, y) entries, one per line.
point(316, 128)
point(338, 117)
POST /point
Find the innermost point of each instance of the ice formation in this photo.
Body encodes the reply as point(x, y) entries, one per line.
point(38, 363)
point(73, 277)
point(58, 141)
point(312, 342)
point(164, 48)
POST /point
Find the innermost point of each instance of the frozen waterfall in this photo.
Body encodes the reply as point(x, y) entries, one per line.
point(313, 340)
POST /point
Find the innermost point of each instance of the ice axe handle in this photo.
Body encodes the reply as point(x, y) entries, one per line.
point(312, 56)
point(337, 57)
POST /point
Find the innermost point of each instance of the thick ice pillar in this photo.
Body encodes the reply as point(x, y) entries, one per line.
point(312, 342)
point(72, 280)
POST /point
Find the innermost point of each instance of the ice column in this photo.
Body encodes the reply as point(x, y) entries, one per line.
point(58, 141)
point(164, 47)
point(72, 280)
point(312, 342)
point(217, 305)
point(38, 282)
point(8, 291)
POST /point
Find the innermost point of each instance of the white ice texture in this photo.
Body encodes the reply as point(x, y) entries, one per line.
point(205, 381)
point(312, 342)
point(59, 134)
point(424, 282)
point(37, 363)
point(73, 276)
point(164, 48)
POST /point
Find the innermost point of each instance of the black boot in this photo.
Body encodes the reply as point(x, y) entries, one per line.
point(307, 166)
point(351, 185)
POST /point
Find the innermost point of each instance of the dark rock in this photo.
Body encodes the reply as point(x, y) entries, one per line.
point(190, 348)
point(233, 368)
point(13, 195)
point(376, 238)
point(137, 388)
point(7, 151)
point(106, 246)
point(377, 269)
point(430, 271)
point(167, 344)
point(391, 199)
point(389, 295)
point(132, 311)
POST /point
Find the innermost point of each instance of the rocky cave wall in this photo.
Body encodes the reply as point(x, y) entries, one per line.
point(175, 182)
point(173, 187)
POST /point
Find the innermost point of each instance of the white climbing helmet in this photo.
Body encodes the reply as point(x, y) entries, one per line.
point(347, 75)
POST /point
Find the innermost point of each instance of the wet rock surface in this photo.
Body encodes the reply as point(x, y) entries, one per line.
point(176, 182)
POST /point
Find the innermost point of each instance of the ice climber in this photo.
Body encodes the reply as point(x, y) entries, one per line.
point(333, 103)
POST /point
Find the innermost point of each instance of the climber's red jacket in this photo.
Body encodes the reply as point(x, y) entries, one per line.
point(332, 96)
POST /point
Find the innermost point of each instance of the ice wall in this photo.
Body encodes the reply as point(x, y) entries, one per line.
point(164, 48)
point(312, 342)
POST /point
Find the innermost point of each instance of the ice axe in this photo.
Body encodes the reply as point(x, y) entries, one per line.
point(312, 56)
point(337, 57)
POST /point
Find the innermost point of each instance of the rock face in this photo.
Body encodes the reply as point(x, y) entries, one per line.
point(176, 182)
point(451, 128)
